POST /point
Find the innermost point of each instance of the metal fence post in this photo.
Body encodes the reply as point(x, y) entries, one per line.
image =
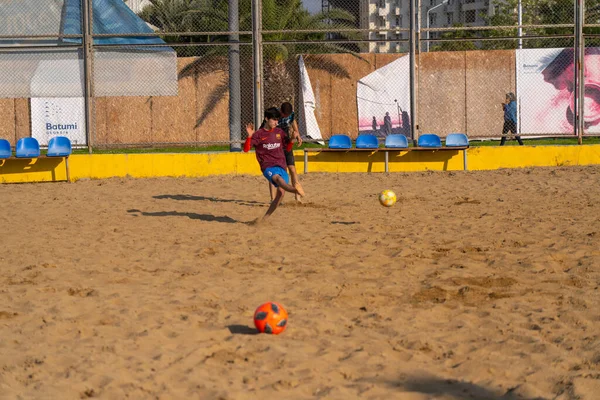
point(235, 102)
point(579, 70)
point(257, 58)
point(414, 38)
point(88, 56)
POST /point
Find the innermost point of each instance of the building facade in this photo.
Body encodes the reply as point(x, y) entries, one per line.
point(137, 5)
point(389, 20)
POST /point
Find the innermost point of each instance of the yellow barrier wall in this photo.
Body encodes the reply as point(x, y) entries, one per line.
point(99, 166)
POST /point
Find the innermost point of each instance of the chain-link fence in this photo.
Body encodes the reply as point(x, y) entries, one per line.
point(114, 73)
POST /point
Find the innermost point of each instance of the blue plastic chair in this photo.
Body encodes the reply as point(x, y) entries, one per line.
point(27, 148)
point(59, 146)
point(457, 140)
point(340, 142)
point(5, 151)
point(367, 142)
point(430, 140)
point(396, 141)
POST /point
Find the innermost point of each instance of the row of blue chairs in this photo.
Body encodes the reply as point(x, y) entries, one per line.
point(397, 141)
point(58, 146)
point(29, 147)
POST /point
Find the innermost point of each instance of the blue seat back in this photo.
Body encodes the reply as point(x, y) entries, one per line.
point(59, 146)
point(457, 140)
point(429, 140)
point(28, 148)
point(340, 142)
point(5, 151)
point(367, 142)
point(396, 141)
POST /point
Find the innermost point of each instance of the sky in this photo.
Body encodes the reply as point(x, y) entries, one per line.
point(313, 6)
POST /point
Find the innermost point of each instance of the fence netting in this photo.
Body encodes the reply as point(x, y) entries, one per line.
point(114, 73)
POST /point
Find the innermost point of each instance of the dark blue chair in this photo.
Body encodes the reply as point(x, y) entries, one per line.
point(5, 151)
point(457, 140)
point(27, 148)
point(430, 140)
point(60, 146)
point(396, 141)
point(340, 142)
point(367, 142)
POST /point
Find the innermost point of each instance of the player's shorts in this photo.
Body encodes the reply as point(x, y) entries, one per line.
point(270, 172)
point(289, 158)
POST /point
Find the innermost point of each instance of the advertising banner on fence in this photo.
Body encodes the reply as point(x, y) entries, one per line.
point(545, 84)
point(383, 99)
point(61, 116)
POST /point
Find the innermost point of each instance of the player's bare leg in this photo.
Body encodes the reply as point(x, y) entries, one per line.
point(287, 187)
point(272, 191)
point(295, 180)
point(275, 203)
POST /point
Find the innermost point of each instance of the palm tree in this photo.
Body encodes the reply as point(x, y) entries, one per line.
point(285, 21)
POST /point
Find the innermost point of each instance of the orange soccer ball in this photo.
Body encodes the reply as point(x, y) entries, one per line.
point(270, 318)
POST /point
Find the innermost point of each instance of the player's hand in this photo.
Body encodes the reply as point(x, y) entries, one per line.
point(299, 140)
point(250, 129)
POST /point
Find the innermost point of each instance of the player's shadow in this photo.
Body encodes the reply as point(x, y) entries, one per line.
point(457, 389)
point(202, 217)
point(242, 330)
point(189, 197)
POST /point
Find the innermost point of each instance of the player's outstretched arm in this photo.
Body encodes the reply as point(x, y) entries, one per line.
point(248, 142)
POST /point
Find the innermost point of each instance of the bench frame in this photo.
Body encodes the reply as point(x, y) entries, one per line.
point(386, 150)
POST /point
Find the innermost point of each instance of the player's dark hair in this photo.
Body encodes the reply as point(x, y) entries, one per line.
point(286, 108)
point(272, 113)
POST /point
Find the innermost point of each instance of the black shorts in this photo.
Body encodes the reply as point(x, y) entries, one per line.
point(509, 126)
point(289, 158)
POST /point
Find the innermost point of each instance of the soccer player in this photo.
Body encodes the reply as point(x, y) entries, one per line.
point(288, 123)
point(269, 143)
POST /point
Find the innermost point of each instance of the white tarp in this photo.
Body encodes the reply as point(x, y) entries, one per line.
point(545, 90)
point(308, 120)
point(385, 92)
point(142, 66)
point(59, 116)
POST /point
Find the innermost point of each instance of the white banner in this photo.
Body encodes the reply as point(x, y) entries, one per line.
point(309, 120)
point(545, 84)
point(383, 99)
point(61, 116)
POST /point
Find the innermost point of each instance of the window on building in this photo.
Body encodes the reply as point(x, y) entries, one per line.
point(382, 3)
point(469, 1)
point(398, 20)
point(432, 19)
point(470, 16)
point(432, 2)
point(450, 17)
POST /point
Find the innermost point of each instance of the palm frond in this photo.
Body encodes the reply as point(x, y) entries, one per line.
point(214, 98)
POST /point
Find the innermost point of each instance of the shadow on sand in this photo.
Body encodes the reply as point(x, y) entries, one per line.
point(457, 389)
point(242, 330)
point(188, 197)
point(202, 217)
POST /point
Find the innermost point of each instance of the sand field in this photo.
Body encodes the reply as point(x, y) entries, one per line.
point(475, 285)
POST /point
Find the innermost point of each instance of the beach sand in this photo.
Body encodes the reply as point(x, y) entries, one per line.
point(475, 285)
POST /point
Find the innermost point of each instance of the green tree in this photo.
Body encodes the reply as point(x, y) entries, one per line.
point(285, 23)
point(451, 44)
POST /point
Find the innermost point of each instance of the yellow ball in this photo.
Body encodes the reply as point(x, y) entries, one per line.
point(387, 198)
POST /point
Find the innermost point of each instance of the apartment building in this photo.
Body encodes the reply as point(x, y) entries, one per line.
point(388, 20)
point(137, 5)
